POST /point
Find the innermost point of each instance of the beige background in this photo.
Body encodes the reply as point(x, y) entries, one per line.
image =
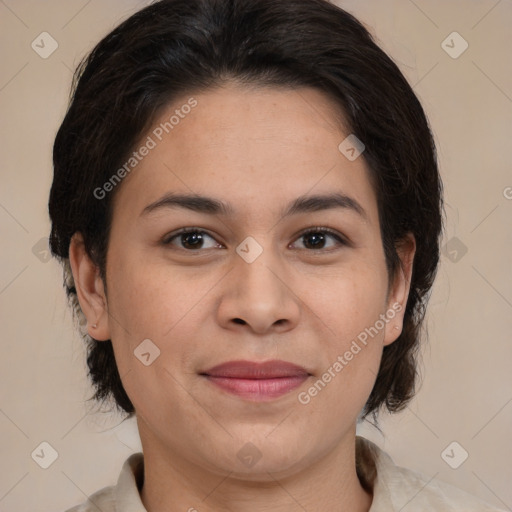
point(466, 394)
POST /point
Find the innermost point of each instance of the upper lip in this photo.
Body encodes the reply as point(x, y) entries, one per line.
point(256, 370)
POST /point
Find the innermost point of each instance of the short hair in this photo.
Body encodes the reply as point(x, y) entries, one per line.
point(174, 47)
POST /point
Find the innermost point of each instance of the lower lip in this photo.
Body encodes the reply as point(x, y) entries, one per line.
point(258, 389)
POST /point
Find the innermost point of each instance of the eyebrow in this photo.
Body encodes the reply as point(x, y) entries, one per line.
point(302, 204)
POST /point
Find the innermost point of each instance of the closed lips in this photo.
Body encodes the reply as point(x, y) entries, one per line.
point(255, 370)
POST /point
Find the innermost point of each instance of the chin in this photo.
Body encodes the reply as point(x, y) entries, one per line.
point(266, 456)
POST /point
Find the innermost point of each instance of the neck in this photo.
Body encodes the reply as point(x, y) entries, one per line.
point(173, 483)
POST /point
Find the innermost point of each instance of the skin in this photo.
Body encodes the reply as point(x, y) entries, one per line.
point(257, 149)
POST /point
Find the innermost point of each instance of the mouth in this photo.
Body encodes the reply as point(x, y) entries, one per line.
point(256, 381)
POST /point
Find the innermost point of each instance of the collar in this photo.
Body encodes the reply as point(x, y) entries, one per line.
point(372, 465)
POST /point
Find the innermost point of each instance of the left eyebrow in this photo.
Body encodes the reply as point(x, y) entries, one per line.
point(315, 203)
point(302, 204)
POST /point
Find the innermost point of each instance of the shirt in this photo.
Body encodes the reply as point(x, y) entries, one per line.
point(394, 488)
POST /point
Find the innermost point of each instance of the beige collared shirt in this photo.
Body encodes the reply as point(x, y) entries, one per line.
point(394, 488)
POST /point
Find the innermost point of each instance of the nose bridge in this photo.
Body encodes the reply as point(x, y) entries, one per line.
point(258, 292)
point(258, 272)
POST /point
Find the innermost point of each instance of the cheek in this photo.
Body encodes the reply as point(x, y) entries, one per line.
point(146, 298)
point(352, 348)
point(153, 301)
point(349, 300)
point(144, 304)
point(350, 309)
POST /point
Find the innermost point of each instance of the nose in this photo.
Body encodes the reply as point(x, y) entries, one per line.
point(259, 295)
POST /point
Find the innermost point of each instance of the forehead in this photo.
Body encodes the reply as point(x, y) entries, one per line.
point(254, 148)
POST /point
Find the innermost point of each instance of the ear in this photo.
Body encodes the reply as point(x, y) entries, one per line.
point(399, 289)
point(90, 289)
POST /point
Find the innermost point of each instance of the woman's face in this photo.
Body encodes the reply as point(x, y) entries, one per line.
point(249, 285)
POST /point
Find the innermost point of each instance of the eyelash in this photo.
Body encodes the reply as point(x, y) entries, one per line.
point(334, 234)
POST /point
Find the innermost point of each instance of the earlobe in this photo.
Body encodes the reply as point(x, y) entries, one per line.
point(400, 288)
point(89, 289)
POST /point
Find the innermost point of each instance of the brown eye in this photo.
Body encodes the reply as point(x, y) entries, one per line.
point(190, 239)
point(317, 238)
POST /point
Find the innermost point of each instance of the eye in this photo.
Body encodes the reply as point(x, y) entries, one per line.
point(316, 238)
point(190, 239)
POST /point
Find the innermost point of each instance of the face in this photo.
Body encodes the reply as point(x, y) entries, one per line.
point(248, 283)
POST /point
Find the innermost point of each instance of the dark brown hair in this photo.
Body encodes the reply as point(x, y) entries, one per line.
point(175, 47)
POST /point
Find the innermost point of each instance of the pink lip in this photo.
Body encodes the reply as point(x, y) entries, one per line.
point(257, 381)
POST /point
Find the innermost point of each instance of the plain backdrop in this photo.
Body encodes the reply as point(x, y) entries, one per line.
point(466, 394)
